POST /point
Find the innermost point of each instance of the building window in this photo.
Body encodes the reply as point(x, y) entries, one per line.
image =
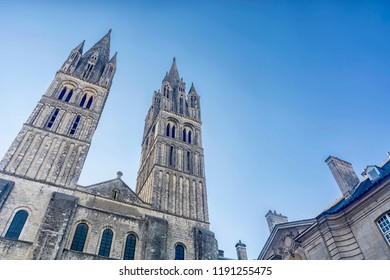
point(79, 237)
point(75, 124)
point(115, 194)
point(179, 252)
point(82, 102)
point(173, 131)
point(69, 96)
point(89, 102)
point(384, 224)
point(130, 247)
point(62, 94)
point(373, 174)
point(88, 70)
point(105, 244)
point(184, 135)
point(168, 129)
point(53, 117)
point(17, 225)
point(166, 91)
point(189, 136)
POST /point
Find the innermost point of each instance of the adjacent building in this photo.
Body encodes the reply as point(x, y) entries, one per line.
point(356, 226)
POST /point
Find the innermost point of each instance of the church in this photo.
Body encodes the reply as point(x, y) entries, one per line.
point(45, 214)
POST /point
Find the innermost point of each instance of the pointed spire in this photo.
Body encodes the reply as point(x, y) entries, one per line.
point(173, 74)
point(102, 47)
point(113, 59)
point(80, 47)
point(192, 89)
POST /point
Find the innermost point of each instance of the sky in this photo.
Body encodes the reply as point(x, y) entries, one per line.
point(283, 85)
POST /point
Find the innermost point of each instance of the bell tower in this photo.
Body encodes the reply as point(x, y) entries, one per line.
point(171, 175)
point(53, 144)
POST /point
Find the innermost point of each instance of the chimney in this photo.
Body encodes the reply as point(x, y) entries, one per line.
point(241, 251)
point(274, 218)
point(344, 174)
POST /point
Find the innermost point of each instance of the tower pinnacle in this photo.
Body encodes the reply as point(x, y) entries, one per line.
point(173, 74)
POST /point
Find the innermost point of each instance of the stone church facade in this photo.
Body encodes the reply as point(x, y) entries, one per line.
point(45, 214)
point(355, 227)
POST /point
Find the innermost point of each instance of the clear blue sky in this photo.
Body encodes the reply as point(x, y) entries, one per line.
point(284, 84)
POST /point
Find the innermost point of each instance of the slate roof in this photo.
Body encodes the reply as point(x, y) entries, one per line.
point(360, 190)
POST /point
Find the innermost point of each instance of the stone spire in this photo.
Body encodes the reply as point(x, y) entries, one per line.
point(192, 89)
point(102, 46)
point(93, 62)
point(113, 59)
point(173, 75)
point(80, 47)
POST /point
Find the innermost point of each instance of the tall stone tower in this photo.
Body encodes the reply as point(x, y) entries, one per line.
point(53, 144)
point(171, 175)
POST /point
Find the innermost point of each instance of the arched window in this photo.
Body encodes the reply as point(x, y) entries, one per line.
point(179, 252)
point(17, 225)
point(89, 102)
point(184, 135)
point(165, 91)
point(130, 247)
point(173, 131)
point(79, 237)
point(168, 129)
point(88, 70)
point(75, 124)
point(62, 93)
point(189, 136)
point(384, 225)
point(82, 102)
point(53, 117)
point(105, 243)
point(69, 96)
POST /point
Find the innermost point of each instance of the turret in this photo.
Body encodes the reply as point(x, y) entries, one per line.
point(193, 104)
point(71, 63)
point(108, 73)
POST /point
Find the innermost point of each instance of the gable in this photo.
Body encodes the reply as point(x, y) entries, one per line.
point(116, 190)
point(281, 242)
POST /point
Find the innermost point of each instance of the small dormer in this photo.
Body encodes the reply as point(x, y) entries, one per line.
point(373, 172)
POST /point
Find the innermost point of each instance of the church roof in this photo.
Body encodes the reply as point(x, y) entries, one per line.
point(108, 188)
